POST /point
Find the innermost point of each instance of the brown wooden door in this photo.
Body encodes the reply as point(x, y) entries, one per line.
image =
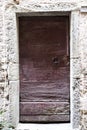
point(44, 69)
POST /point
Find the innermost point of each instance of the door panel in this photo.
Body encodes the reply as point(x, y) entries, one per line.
point(45, 118)
point(44, 69)
point(44, 108)
point(44, 91)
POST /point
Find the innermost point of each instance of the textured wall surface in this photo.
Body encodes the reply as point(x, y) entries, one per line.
point(9, 63)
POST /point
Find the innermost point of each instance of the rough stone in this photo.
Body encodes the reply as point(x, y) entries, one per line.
point(13, 72)
point(74, 36)
point(76, 67)
point(14, 101)
point(9, 59)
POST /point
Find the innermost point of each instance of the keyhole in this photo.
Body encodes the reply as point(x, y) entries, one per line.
point(55, 60)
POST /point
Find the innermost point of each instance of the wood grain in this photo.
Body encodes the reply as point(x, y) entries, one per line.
point(44, 108)
point(44, 69)
point(61, 118)
point(44, 91)
point(44, 112)
point(39, 73)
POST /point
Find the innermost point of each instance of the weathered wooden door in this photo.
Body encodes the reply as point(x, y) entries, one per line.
point(44, 69)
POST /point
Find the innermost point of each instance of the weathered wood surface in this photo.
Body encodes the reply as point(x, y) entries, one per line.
point(45, 118)
point(44, 108)
point(44, 111)
point(41, 31)
point(44, 69)
point(39, 72)
point(44, 91)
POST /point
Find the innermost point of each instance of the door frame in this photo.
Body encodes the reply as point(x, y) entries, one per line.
point(13, 59)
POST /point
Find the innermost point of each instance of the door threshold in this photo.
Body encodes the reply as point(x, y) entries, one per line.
point(30, 126)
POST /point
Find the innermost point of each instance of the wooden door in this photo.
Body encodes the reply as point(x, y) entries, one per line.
point(44, 69)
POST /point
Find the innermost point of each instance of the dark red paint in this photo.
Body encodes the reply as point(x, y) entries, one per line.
point(44, 69)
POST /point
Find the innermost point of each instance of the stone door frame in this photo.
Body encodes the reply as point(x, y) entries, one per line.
point(12, 12)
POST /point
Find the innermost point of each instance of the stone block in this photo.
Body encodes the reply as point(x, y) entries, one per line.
point(13, 72)
point(14, 102)
point(74, 34)
point(3, 75)
point(11, 39)
point(75, 67)
point(75, 98)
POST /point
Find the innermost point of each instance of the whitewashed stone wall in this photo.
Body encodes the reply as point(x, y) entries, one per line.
point(9, 62)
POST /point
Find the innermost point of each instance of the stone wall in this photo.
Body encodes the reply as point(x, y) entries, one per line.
point(9, 63)
point(4, 94)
